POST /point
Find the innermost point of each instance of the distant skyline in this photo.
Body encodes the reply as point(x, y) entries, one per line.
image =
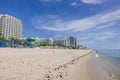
point(95, 23)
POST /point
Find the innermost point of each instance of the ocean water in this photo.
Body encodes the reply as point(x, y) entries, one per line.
point(110, 60)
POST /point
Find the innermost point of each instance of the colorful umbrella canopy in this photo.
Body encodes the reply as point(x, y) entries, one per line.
point(1, 41)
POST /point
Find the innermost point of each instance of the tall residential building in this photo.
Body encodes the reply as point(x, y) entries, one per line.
point(72, 41)
point(10, 26)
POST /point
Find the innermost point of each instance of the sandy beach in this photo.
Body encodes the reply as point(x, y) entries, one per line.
point(49, 64)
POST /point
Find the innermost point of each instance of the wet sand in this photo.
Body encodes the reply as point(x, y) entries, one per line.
point(49, 64)
point(102, 69)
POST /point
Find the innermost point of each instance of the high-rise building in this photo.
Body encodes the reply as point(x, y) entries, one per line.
point(72, 41)
point(10, 26)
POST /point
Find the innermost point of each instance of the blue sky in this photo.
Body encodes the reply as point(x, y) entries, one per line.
point(95, 23)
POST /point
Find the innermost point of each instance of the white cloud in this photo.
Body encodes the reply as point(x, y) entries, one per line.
point(87, 42)
point(94, 1)
point(105, 35)
point(73, 4)
point(50, 0)
point(55, 23)
point(111, 46)
point(97, 36)
point(105, 26)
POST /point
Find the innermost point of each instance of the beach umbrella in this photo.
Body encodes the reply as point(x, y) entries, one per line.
point(27, 42)
point(17, 42)
point(4, 45)
point(1, 41)
point(8, 41)
point(0, 45)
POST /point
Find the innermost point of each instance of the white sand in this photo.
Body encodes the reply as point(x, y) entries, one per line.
point(44, 64)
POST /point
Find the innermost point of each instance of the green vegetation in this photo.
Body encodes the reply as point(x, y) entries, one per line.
point(28, 42)
point(2, 39)
point(11, 42)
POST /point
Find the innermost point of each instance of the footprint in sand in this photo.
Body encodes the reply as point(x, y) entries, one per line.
point(47, 76)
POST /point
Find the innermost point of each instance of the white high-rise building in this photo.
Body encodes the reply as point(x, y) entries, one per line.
point(10, 26)
point(72, 41)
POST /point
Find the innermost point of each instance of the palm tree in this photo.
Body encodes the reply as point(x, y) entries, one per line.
point(22, 41)
point(2, 39)
point(0, 34)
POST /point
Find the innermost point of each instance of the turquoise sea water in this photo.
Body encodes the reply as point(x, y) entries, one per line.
point(110, 60)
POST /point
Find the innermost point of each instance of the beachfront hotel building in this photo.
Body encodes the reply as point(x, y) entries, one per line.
point(44, 40)
point(54, 41)
point(61, 41)
point(10, 26)
point(72, 41)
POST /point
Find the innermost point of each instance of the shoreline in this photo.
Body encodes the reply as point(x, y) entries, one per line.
point(101, 67)
point(48, 64)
